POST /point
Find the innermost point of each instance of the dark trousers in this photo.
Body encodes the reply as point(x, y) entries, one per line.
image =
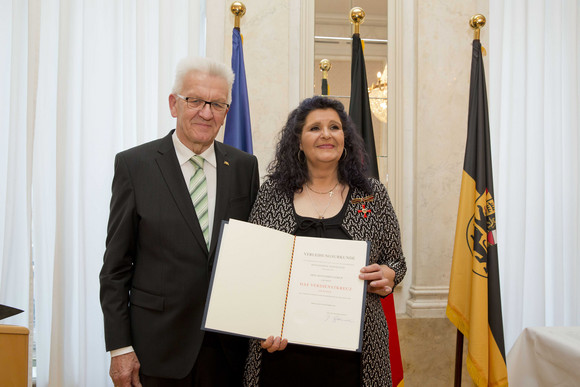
point(214, 367)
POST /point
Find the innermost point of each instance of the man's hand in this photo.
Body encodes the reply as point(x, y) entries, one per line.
point(125, 370)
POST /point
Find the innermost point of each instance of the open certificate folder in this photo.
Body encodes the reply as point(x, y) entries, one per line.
point(269, 283)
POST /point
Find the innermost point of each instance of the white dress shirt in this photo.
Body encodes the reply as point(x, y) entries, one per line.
point(209, 169)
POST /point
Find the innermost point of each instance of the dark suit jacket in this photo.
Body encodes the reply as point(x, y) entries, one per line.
point(156, 269)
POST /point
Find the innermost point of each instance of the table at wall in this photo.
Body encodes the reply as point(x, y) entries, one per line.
point(13, 356)
point(545, 356)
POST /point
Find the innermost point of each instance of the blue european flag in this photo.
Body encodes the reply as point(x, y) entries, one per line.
point(238, 131)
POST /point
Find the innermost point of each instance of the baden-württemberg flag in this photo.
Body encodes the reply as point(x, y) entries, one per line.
point(238, 130)
point(474, 304)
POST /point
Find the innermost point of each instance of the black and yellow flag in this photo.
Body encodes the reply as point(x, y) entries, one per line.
point(474, 304)
point(360, 108)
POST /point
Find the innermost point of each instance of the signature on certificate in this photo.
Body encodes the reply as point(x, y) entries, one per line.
point(337, 318)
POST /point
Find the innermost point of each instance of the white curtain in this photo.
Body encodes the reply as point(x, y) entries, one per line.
point(15, 259)
point(84, 79)
point(534, 83)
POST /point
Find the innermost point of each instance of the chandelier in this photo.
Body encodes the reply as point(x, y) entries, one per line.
point(378, 96)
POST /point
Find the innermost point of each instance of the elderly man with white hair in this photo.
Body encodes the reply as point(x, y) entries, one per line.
point(169, 197)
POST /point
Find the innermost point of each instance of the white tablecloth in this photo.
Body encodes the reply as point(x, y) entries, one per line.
point(546, 356)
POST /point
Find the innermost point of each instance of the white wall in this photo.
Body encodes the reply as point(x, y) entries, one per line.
point(271, 36)
point(429, 66)
point(434, 58)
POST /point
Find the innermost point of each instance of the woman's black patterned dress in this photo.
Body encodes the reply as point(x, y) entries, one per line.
point(311, 366)
point(317, 366)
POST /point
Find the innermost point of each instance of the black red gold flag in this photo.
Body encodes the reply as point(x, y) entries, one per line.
point(360, 108)
point(388, 304)
point(360, 113)
point(474, 303)
point(324, 86)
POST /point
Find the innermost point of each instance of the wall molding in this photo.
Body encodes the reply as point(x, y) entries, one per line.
point(427, 301)
point(402, 111)
point(306, 48)
point(344, 20)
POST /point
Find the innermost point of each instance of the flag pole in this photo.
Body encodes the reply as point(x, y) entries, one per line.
point(357, 17)
point(325, 67)
point(458, 358)
point(239, 10)
point(476, 22)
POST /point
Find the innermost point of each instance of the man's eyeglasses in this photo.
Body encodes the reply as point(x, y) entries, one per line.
point(198, 104)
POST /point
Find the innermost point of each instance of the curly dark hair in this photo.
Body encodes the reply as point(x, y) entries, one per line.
point(290, 173)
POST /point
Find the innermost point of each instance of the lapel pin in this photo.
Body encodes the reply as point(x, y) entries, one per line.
point(369, 198)
point(364, 211)
point(226, 163)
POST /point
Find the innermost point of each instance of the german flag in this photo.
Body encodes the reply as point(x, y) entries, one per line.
point(397, 376)
point(474, 304)
point(360, 113)
point(324, 86)
point(360, 107)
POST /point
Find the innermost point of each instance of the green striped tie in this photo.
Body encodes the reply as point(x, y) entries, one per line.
point(198, 193)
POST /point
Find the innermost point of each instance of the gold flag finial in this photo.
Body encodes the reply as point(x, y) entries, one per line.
point(325, 67)
point(238, 9)
point(357, 17)
point(477, 22)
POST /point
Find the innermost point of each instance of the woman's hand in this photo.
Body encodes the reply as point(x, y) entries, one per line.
point(272, 344)
point(381, 278)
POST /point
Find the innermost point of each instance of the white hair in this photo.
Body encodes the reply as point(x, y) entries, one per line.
point(202, 65)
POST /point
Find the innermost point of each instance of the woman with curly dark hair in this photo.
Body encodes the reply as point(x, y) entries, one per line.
point(317, 187)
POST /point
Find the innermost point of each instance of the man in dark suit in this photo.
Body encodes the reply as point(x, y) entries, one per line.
point(159, 254)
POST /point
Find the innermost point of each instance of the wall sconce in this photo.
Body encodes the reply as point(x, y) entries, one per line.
point(378, 96)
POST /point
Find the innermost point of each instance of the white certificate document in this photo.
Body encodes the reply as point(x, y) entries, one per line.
point(269, 283)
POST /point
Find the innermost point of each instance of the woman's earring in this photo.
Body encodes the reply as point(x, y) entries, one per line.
point(298, 155)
